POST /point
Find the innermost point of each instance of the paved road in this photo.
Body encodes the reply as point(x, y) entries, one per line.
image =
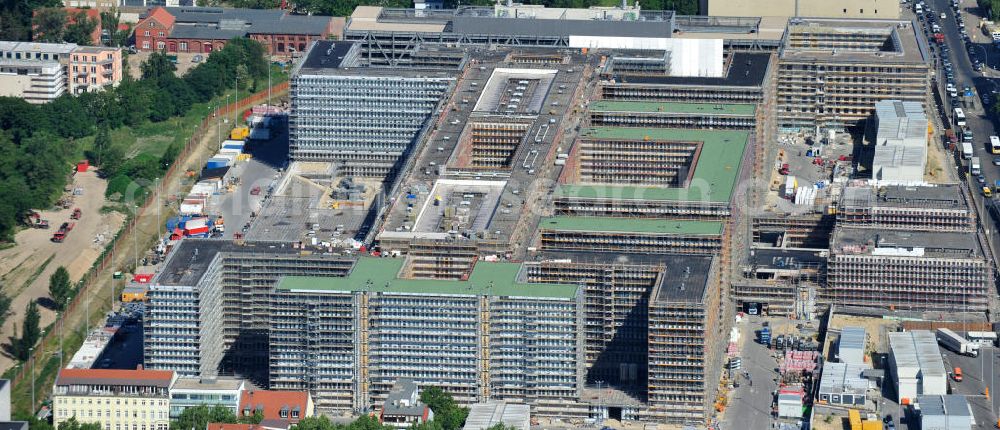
point(751, 404)
point(978, 373)
point(260, 170)
point(978, 121)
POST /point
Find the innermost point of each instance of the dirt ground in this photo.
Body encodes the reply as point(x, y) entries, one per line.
point(26, 267)
point(184, 62)
point(940, 164)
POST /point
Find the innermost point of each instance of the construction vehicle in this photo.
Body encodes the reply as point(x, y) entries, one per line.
point(64, 229)
point(784, 169)
point(239, 133)
point(956, 343)
point(36, 221)
point(255, 190)
point(77, 213)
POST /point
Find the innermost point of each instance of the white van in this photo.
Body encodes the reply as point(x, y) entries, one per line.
point(974, 168)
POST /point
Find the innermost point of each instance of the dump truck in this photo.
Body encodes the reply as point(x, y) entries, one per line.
point(956, 343)
point(64, 229)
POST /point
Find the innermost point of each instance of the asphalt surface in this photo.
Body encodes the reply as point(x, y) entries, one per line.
point(978, 121)
point(979, 373)
point(751, 405)
point(237, 206)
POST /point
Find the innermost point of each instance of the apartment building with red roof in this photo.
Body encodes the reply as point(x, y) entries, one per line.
point(288, 406)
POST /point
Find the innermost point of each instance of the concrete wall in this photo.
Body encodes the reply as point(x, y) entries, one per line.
point(884, 9)
point(14, 85)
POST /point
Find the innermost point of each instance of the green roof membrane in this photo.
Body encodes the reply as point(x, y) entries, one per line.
point(714, 175)
point(630, 225)
point(380, 275)
point(733, 109)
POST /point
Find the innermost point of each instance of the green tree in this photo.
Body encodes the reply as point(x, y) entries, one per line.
point(199, 417)
point(30, 332)
point(314, 423)
point(73, 118)
point(73, 424)
point(256, 418)
point(502, 426)
point(59, 287)
point(80, 29)
point(446, 411)
point(49, 24)
point(157, 66)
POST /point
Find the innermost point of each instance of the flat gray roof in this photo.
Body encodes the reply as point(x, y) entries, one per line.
point(947, 196)
point(849, 240)
point(901, 44)
point(950, 405)
point(685, 279)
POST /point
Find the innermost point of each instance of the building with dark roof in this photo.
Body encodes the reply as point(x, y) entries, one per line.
point(206, 29)
point(366, 119)
point(403, 408)
point(94, 396)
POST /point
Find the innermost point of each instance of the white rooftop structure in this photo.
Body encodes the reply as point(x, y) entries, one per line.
point(950, 412)
point(93, 346)
point(485, 415)
point(900, 142)
point(851, 345)
point(685, 57)
point(901, 123)
point(916, 365)
point(842, 384)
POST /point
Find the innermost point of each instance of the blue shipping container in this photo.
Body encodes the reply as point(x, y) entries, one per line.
point(215, 163)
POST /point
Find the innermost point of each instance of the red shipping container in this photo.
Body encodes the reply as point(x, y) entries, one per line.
point(82, 166)
point(197, 230)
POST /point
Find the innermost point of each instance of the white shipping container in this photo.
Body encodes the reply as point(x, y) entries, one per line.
point(236, 151)
point(191, 208)
point(194, 223)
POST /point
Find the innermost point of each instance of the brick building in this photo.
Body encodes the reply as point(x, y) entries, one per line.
point(206, 29)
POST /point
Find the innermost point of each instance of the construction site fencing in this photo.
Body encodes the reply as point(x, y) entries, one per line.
point(48, 346)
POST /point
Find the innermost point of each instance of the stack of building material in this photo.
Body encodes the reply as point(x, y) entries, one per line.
point(799, 361)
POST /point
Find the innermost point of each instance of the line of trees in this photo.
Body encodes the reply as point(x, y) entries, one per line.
point(37, 142)
point(55, 25)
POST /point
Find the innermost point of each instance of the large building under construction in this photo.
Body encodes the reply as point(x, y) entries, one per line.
point(493, 336)
point(556, 230)
point(907, 270)
point(832, 72)
point(364, 119)
point(926, 208)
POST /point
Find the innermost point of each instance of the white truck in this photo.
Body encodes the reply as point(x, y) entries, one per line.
point(954, 342)
point(974, 167)
point(966, 150)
